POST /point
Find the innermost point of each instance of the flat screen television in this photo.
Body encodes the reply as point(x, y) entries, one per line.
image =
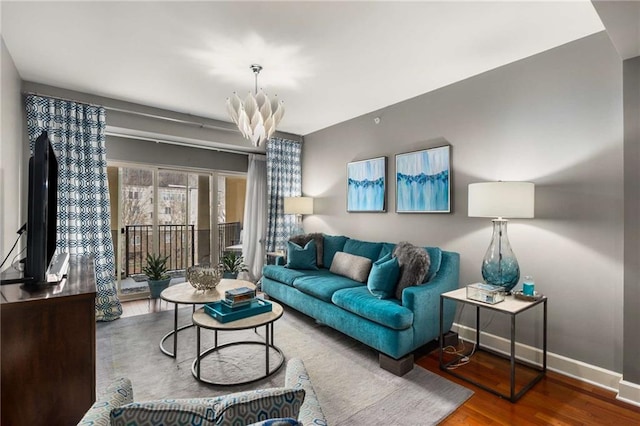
point(42, 212)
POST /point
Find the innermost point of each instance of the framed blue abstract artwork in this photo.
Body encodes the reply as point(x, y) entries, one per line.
point(367, 185)
point(423, 181)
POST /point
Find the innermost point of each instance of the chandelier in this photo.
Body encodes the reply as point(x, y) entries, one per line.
point(256, 117)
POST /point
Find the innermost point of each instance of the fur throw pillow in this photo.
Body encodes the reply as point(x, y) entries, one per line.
point(303, 239)
point(414, 264)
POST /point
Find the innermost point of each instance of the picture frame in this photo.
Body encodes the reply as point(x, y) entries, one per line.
point(367, 185)
point(423, 181)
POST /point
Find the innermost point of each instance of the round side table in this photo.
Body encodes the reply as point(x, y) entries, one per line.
point(186, 294)
point(203, 320)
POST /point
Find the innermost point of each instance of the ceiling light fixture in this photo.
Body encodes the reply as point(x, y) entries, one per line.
point(256, 117)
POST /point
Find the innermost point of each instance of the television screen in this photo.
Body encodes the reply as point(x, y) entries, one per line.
point(42, 210)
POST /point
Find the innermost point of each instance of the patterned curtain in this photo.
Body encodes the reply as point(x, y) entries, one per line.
point(284, 179)
point(77, 132)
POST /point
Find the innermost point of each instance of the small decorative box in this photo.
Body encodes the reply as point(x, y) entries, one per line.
point(486, 293)
point(239, 295)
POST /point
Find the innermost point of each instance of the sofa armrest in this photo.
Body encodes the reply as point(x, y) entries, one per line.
point(117, 394)
point(297, 377)
point(424, 300)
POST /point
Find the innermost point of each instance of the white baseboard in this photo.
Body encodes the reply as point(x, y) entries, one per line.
point(629, 392)
point(610, 380)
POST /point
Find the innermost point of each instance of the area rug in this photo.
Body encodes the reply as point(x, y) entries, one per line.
point(351, 387)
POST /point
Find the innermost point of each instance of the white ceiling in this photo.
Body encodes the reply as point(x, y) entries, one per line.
point(329, 61)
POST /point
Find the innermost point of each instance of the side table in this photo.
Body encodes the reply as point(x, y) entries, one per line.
point(203, 320)
point(185, 293)
point(512, 307)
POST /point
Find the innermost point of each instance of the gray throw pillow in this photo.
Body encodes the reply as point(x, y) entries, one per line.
point(414, 264)
point(303, 239)
point(351, 266)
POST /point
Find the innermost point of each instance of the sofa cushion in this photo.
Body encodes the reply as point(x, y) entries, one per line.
point(318, 238)
point(301, 257)
point(387, 312)
point(414, 264)
point(168, 411)
point(387, 249)
point(322, 284)
point(351, 266)
point(435, 260)
point(284, 275)
point(384, 277)
point(363, 248)
point(332, 244)
point(254, 406)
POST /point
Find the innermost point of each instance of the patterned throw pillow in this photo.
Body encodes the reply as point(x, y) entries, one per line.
point(254, 406)
point(198, 411)
point(351, 266)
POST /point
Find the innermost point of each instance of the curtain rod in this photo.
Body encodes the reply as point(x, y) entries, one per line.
point(144, 114)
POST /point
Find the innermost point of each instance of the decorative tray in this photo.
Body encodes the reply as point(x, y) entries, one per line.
point(223, 313)
point(520, 295)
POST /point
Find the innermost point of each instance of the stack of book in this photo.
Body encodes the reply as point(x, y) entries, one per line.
point(240, 297)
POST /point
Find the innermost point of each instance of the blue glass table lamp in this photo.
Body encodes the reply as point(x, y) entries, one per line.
point(501, 200)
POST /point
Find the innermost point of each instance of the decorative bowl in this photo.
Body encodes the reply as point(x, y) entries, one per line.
point(204, 277)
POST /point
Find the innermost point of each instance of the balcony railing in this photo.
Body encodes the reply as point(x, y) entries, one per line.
point(172, 243)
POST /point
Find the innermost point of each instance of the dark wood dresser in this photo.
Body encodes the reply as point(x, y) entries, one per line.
point(48, 349)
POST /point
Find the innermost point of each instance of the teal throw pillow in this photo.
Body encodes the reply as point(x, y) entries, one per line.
point(301, 257)
point(332, 245)
point(384, 277)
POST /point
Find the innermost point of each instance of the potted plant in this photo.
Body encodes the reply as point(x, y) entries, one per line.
point(156, 272)
point(233, 264)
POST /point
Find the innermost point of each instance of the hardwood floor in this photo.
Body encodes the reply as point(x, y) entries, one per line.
point(556, 400)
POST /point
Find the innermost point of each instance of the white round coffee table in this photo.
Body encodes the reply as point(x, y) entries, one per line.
point(186, 294)
point(201, 319)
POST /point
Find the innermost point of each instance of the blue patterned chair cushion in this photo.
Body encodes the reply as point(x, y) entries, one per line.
point(254, 406)
point(118, 393)
point(196, 411)
point(298, 378)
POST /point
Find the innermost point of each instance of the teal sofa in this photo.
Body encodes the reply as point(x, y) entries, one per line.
point(393, 327)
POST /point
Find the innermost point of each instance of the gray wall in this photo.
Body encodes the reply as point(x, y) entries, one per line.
point(631, 370)
point(12, 160)
point(161, 154)
point(554, 119)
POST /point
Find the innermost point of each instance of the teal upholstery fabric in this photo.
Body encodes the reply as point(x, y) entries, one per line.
point(332, 245)
point(363, 248)
point(285, 275)
point(322, 286)
point(387, 249)
point(196, 411)
point(118, 393)
point(298, 378)
point(301, 257)
point(254, 406)
point(384, 277)
point(435, 259)
point(385, 312)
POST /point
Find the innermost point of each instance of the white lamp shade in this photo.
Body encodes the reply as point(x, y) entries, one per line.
point(502, 199)
point(298, 205)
